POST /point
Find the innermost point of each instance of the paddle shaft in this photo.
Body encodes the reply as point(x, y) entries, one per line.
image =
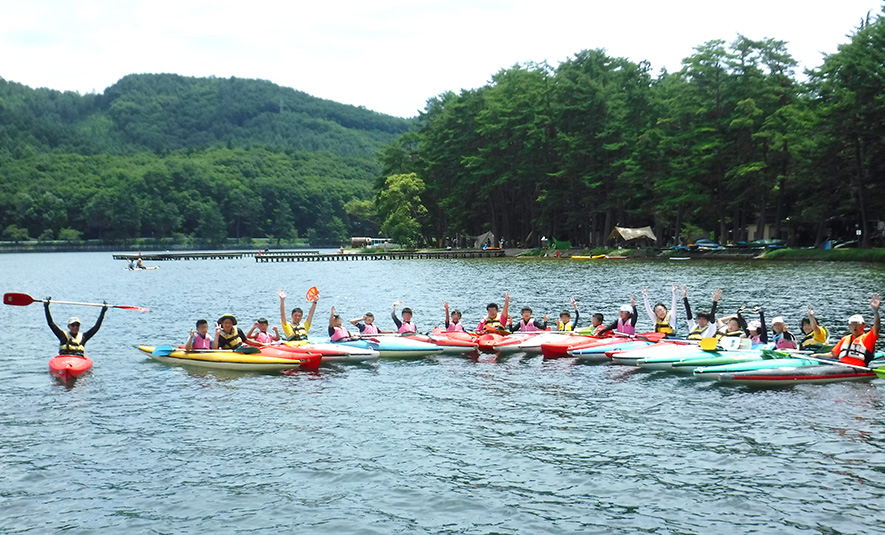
point(19, 299)
point(837, 363)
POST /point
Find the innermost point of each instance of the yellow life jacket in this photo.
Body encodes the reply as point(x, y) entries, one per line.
point(567, 326)
point(808, 341)
point(230, 341)
point(73, 346)
point(663, 325)
point(496, 323)
point(299, 332)
point(697, 333)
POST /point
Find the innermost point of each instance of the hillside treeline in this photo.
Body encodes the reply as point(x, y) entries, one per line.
point(173, 156)
point(731, 140)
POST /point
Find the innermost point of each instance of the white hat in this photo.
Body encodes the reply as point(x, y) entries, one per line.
point(857, 318)
point(778, 319)
point(626, 308)
point(755, 325)
point(73, 320)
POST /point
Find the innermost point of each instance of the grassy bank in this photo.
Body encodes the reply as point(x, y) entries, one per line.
point(830, 255)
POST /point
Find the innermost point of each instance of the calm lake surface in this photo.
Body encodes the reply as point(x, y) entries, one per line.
point(442, 445)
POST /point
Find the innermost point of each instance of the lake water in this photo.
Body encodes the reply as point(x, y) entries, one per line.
point(442, 445)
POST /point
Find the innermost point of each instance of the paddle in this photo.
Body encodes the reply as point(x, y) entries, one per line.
point(23, 300)
point(837, 363)
point(312, 294)
point(648, 337)
point(165, 351)
point(709, 344)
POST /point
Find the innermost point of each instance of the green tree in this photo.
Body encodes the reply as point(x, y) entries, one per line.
point(400, 208)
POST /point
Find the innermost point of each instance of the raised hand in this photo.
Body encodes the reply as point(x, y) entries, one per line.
point(875, 301)
point(717, 294)
point(684, 291)
point(282, 294)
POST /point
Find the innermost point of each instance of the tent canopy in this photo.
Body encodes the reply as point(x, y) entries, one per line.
point(630, 234)
point(482, 238)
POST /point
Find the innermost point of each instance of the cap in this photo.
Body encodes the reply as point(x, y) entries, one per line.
point(73, 320)
point(626, 308)
point(778, 319)
point(754, 325)
point(857, 318)
point(231, 316)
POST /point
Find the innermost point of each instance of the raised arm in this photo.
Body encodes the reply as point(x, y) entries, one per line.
point(717, 295)
point(446, 306)
point(313, 308)
point(505, 311)
point(60, 334)
point(91, 332)
point(674, 312)
point(283, 319)
point(648, 310)
point(875, 302)
point(685, 303)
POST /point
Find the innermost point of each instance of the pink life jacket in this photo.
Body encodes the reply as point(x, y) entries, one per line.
point(782, 343)
point(340, 334)
point(626, 327)
point(370, 329)
point(455, 327)
point(407, 327)
point(201, 342)
point(263, 338)
point(529, 327)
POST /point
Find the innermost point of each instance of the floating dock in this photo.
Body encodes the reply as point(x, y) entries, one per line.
point(399, 255)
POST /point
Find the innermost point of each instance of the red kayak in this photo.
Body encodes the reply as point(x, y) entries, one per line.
point(559, 348)
point(487, 342)
point(66, 368)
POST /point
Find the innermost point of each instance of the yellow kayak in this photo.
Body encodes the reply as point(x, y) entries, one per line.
point(269, 359)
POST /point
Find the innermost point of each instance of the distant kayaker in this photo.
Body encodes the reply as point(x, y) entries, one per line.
point(663, 319)
point(453, 322)
point(705, 326)
point(494, 322)
point(366, 324)
point(199, 339)
point(626, 322)
point(72, 342)
point(858, 347)
point(527, 323)
point(336, 331)
point(406, 325)
point(139, 264)
point(296, 331)
point(262, 336)
point(227, 334)
point(815, 335)
point(566, 323)
point(783, 338)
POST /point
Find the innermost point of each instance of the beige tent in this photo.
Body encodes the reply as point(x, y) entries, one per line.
point(633, 234)
point(482, 238)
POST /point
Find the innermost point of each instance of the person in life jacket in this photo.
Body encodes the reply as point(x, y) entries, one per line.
point(72, 342)
point(783, 338)
point(755, 330)
point(494, 322)
point(453, 322)
point(664, 320)
point(336, 331)
point(705, 326)
point(406, 325)
point(366, 324)
point(626, 322)
point(566, 323)
point(296, 331)
point(527, 324)
point(199, 339)
point(597, 322)
point(262, 336)
point(815, 335)
point(227, 334)
point(858, 347)
point(730, 327)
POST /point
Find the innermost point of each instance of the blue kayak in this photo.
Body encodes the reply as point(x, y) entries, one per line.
point(394, 346)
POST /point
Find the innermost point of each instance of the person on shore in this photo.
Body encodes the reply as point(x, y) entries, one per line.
point(783, 338)
point(227, 334)
point(858, 347)
point(494, 322)
point(626, 322)
point(815, 336)
point(705, 326)
point(366, 324)
point(336, 331)
point(527, 323)
point(199, 339)
point(72, 342)
point(453, 322)
point(262, 336)
point(406, 325)
point(296, 331)
point(663, 319)
point(566, 323)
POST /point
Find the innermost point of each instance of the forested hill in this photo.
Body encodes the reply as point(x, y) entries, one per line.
point(168, 156)
point(160, 112)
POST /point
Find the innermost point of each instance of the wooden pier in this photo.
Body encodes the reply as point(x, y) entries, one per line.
point(206, 255)
point(399, 255)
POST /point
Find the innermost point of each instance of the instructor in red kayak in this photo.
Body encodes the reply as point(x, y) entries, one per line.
point(858, 347)
point(72, 342)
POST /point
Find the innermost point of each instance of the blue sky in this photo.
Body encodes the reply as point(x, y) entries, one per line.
point(387, 55)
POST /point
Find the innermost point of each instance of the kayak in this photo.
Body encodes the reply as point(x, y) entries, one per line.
point(632, 356)
point(599, 352)
point(66, 368)
point(453, 342)
point(146, 268)
point(488, 341)
point(330, 353)
point(816, 374)
point(267, 360)
point(533, 344)
point(394, 346)
point(513, 343)
point(713, 372)
point(559, 348)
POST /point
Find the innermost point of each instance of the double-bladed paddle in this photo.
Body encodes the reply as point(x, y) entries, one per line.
point(23, 300)
point(165, 351)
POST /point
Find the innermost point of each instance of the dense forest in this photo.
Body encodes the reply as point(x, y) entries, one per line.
point(172, 156)
point(733, 141)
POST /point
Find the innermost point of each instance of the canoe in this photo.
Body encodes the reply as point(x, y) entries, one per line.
point(394, 346)
point(267, 360)
point(599, 352)
point(66, 368)
point(817, 374)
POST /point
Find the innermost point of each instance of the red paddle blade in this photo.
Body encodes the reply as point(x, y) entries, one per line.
point(137, 309)
point(17, 299)
point(654, 337)
point(312, 293)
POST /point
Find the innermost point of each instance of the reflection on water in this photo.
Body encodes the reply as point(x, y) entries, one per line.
point(440, 445)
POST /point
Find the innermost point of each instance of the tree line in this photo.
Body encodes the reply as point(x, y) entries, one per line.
point(732, 141)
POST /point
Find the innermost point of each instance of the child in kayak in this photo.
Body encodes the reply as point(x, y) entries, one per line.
point(227, 334)
point(815, 335)
point(494, 322)
point(565, 322)
point(527, 323)
point(72, 342)
point(262, 336)
point(453, 323)
point(626, 322)
point(858, 348)
point(705, 326)
point(754, 330)
point(406, 325)
point(296, 331)
point(783, 338)
point(664, 320)
point(366, 324)
point(199, 339)
point(336, 331)
point(597, 322)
